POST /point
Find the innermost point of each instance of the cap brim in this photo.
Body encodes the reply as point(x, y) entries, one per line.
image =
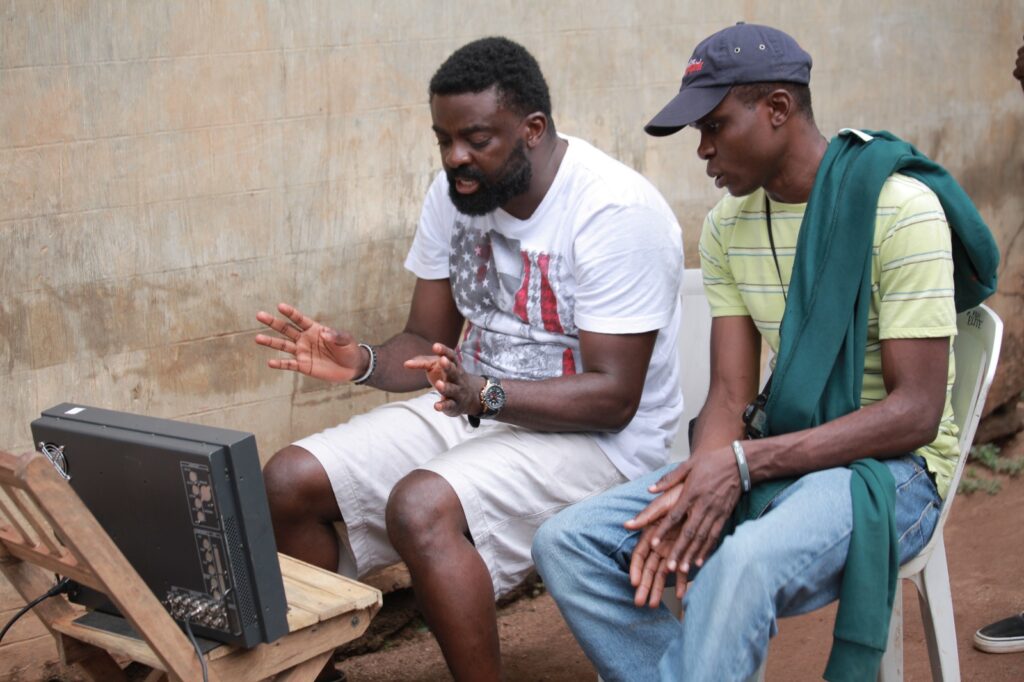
point(689, 105)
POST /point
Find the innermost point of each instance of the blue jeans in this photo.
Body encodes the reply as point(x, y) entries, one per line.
point(787, 562)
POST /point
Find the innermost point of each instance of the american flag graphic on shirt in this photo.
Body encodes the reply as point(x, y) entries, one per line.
point(517, 304)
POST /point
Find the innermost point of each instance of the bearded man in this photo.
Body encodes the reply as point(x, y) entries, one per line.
point(560, 269)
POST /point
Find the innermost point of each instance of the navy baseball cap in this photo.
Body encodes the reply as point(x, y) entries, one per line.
point(744, 53)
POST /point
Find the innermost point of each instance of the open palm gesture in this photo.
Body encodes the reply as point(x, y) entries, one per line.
point(315, 350)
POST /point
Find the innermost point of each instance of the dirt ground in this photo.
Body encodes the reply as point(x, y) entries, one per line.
point(985, 548)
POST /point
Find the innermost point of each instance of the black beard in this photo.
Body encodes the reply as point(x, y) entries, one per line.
point(512, 180)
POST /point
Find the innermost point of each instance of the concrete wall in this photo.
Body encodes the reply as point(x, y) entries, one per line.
point(169, 168)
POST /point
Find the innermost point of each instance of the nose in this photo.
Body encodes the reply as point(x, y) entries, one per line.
point(706, 148)
point(456, 155)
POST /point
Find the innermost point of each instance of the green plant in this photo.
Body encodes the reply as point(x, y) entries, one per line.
point(972, 483)
point(989, 456)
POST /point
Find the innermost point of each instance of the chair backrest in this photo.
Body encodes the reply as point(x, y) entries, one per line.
point(694, 356)
point(44, 523)
point(976, 351)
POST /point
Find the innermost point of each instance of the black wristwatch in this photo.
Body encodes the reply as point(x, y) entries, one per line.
point(492, 399)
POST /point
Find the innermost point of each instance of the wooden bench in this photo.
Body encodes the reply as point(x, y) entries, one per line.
point(45, 528)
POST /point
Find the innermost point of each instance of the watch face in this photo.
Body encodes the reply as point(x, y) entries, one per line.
point(493, 397)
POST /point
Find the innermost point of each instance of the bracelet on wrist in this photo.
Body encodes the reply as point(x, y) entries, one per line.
point(741, 464)
point(370, 368)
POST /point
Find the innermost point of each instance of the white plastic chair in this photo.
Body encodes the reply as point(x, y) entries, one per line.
point(976, 349)
point(694, 357)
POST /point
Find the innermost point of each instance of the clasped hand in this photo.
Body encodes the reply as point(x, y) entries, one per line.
point(315, 350)
point(460, 391)
point(681, 526)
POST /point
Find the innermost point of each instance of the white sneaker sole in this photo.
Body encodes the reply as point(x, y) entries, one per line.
point(999, 646)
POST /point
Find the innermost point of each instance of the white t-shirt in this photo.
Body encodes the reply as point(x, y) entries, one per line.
point(602, 253)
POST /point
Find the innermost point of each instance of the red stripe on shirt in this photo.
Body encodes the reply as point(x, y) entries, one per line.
point(568, 363)
point(522, 295)
point(548, 301)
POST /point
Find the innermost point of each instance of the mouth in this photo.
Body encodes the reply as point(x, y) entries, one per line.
point(719, 181)
point(466, 186)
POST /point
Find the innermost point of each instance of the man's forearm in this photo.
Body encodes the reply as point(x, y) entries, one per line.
point(604, 397)
point(886, 429)
point(914, 373)
point(717, 425)
point(589, 401)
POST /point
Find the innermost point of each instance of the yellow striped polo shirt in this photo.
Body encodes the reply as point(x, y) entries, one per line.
point(911, 292)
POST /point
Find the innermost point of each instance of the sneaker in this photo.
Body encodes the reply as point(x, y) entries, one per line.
point(1002, 637)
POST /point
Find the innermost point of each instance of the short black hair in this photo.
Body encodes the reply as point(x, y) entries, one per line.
point(500, 62)
point(751, 93)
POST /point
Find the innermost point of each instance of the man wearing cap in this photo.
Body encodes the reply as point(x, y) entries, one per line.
point(824, 482)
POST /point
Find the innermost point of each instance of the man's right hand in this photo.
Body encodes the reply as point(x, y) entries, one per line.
point(315, 350)
point(460, 391)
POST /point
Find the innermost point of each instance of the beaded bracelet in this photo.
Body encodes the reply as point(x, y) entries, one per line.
point(369, 370)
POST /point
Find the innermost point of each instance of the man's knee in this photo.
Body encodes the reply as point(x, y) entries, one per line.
point(422, 510)
point(552, 540)
point(738, 564)
point(297, 486)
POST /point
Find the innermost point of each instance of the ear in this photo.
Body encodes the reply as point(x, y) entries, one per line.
point(781, 106)
point(535, 128)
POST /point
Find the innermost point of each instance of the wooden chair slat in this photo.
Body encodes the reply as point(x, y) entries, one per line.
point(10, 519)
point(42, 529)
point(65, 566)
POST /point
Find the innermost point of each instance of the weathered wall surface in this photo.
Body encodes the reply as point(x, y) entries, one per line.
point(169, 168)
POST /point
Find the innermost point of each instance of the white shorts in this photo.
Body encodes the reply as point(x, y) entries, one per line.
point(508, 479)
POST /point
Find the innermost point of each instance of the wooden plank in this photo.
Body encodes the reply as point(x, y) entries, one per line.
point(317, 600)
point(299, 618)
point(359, 594)
point(265, 660)
point(306, 672)
point(30, 659)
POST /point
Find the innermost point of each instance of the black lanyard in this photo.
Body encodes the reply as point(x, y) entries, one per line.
point(771, 241)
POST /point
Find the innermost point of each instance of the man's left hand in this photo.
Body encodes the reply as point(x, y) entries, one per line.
point(648, 566)
point(697, 499)
point(460, 392)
